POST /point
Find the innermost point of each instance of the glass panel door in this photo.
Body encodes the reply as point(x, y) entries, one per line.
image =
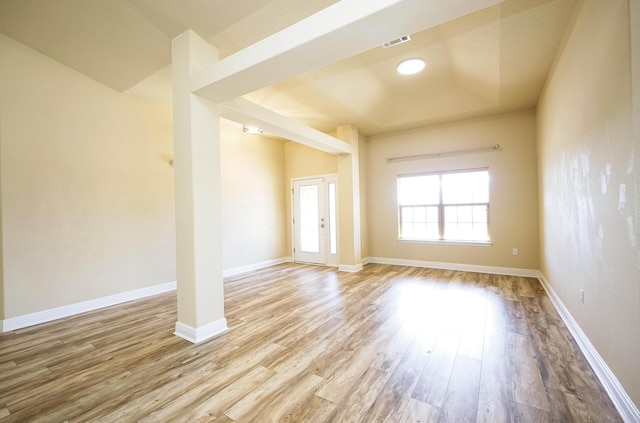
point(315, 228)
point(309, 218)
point(308, 221)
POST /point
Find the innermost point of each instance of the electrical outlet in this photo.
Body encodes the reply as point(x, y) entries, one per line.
point(582, 296)
point(515, 251)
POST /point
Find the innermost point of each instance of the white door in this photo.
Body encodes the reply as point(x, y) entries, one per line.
point(314, 221)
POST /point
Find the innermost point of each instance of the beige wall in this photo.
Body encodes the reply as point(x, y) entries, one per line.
point(513, 192)
point(301, 161)
point(253, 198)
point(87, 190)
point(589, 208)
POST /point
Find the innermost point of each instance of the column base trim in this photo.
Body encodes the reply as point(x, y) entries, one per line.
point(197, 335)
point(350, 267)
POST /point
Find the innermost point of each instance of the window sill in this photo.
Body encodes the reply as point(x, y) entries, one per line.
point(446, 242)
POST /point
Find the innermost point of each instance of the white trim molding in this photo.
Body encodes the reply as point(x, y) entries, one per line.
point(45, 316)
point(83, 307)
point(197, 335)
point(621, 400)
point(256, 266)
point(531, 273)
point(352, 268)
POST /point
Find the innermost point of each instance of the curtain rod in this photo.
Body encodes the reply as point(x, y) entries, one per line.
point(494, 147)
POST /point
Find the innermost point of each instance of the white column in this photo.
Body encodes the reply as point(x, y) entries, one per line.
point(196, 131)
point(349, 202)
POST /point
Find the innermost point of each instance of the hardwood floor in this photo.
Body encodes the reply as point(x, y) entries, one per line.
point(387, 344)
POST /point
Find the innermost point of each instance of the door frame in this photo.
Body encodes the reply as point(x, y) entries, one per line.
point(329, 259)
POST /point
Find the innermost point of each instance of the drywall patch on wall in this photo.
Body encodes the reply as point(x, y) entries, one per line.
point(572, 201)
point(622, 197)
point(632, 233)
point(600, 217)
point(605, 175)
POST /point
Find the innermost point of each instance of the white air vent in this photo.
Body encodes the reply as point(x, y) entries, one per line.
point(397, 41)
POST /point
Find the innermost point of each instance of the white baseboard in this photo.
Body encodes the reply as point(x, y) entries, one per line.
point(197, 335)
point(256, 266)
point(350, 268)
point(623, 403)
point(456, 266)
point(44, 316)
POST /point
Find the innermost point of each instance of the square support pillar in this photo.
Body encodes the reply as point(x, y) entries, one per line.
point(349, 202)
point(196, 129)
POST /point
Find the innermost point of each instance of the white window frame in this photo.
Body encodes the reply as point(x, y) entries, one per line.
point(441, 207)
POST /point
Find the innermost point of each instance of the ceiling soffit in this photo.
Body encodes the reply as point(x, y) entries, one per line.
point(491, 61)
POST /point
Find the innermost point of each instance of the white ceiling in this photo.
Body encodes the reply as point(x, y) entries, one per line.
point(491, 61)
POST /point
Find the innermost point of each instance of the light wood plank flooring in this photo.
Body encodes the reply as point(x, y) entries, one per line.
point(309, 344)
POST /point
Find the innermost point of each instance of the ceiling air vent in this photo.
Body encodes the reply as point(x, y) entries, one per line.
point(397, 41)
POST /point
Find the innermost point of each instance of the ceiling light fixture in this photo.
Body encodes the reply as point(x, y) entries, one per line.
point(250, 129)
point(410, 66)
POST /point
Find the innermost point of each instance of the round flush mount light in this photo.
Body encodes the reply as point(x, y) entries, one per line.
point(410, 66)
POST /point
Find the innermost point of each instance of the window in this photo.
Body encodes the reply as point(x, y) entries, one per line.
point(447, 206)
